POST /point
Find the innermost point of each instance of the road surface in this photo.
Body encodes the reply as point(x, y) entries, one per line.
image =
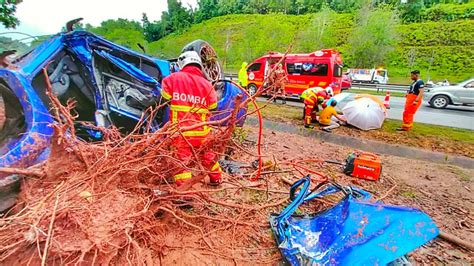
point(453, 116)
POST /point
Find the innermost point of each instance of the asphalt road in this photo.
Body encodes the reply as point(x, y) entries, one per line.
point(453, 116)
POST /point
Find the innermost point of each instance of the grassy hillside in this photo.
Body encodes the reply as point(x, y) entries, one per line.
point(449, 45)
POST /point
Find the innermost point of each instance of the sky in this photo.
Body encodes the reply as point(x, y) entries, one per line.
point(41, 17)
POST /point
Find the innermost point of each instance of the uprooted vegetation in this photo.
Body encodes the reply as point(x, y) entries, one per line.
point(110, 202)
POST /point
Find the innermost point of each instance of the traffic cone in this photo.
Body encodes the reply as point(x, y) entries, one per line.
point(386, 101)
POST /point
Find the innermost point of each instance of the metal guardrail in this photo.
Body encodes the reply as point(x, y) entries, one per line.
point(231, 76)
point(381, 87)
point(367, 86)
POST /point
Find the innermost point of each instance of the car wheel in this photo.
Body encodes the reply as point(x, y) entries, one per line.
point(212, 67)
point(439, 101)
point(252, 89)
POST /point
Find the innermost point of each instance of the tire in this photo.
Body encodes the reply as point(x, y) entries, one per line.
point(211, 65)
point(439, 101)
point(252, 89)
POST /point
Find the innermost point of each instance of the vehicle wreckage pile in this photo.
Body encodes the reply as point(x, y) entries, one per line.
point(110, 202)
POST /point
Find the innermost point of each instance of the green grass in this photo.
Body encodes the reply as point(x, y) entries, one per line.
point(463, 176)
point(371, 92)
point(295, 114)
point(426, 130)
point(431, 137)
point(399, 80)
point(280, 113)
point(408, 194)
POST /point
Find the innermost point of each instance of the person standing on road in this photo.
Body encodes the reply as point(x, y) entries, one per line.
point(414, 98)
point(243, 78)
point(191, 97)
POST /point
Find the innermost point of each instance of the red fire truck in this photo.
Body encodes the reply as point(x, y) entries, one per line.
point(321, 68)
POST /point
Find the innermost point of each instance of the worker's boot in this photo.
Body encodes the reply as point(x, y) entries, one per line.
point(180, 179)
point(307, 121)
point(215, 176)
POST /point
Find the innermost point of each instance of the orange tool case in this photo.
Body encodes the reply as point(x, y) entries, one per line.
point(363, 165)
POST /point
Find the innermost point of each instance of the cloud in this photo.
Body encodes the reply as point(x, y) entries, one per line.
point(40, 17)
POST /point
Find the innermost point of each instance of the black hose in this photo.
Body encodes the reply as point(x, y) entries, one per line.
point(334, 162)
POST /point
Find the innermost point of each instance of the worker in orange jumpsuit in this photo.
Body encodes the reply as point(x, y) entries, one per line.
point(312, 98)
point(414, 98)
point(191, 97)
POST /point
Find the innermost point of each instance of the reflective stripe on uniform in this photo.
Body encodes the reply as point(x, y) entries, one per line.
point(165, 95)
point(197, 133)
point(310, 100)
point(216, 166)
point(213, 106)
point(183, 176)
point(189, 109)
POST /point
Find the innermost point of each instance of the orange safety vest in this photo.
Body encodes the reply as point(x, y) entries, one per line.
point(191, 98)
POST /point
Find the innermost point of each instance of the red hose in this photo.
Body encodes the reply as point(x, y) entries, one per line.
point(260, 132)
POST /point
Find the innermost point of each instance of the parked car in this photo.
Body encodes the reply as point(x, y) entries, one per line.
point(112, 85)
point(459, 94)
point(346, 81)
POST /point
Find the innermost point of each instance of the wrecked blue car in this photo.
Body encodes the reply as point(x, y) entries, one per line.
point(354, 231)
point(112, 85)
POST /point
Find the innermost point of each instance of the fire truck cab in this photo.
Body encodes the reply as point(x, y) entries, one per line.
point(321, 68)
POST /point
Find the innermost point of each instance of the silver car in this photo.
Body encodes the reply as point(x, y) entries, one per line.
point(459, 94)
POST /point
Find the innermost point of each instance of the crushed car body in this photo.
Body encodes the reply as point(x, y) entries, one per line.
point(111, 85)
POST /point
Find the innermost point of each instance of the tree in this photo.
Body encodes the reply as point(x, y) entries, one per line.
point(10, 44)
point(152, 31)
point(207, 9)
point(412, 10)
point(7, 13)
point(373, 37)
point(318, 34)
point(176, 19)
point(122, 31)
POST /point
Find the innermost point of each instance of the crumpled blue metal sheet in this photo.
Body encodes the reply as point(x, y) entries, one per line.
point(355, 231)
point(129, 68)
point(226, 106)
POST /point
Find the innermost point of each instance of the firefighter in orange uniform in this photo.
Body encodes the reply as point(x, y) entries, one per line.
point(191, 97)
point(279, 79)
point(313, 97)
point(414, 98)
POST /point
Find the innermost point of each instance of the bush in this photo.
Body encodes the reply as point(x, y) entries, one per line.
point(449, 12)
point(415, 11)
point(238, 38)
